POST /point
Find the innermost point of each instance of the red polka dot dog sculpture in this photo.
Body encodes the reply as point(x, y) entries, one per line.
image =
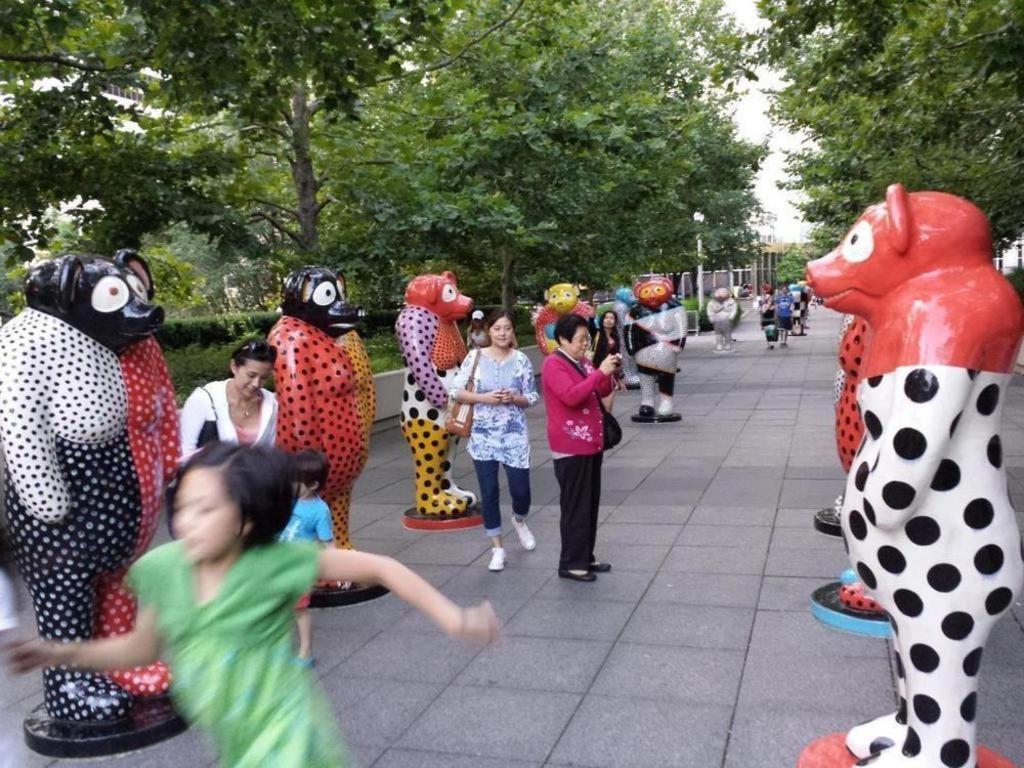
point(89, 429)
point(433, 349)
point(325, 391)
point(930, 528)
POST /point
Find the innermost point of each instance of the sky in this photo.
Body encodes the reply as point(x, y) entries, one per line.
point(752, 119)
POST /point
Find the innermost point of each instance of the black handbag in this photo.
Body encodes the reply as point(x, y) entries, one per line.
point(610, 425)
point(209, 433)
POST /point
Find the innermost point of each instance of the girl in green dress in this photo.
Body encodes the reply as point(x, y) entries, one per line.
point(217, 604)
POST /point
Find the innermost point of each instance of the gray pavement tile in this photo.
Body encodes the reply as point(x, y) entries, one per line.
point(412, 758)
point(538, 663)
point(796, 470)
point(626, 557)
point(1006, 643)
point(800, 518)
point(677, 492)
point(448, 548)
point(638, 533)
point(804, 538)
point(748, 457)
point(493, 722)
point(697, 626)
point(571, 618)
point(477, 580)
point(702, 676)
point(724, 514)
point(406, 656)
point(1007, 740)
point(788, 593)
point(774, 738)
point(618, 586)
point(745, 536)
point(776, 681)
point(999, 693)
point(615, 732)
point(653, 513)
point(707, 559)
point(376, 712)
point(364, 755)
point(505, 606)
point(825, 563)
point(389, 547)
point(373, 615)
point(724, 590)
point(809, 493)
point(801, 635)
point(189, 748)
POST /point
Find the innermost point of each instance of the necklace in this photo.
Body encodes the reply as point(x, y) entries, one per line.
point(245, 409)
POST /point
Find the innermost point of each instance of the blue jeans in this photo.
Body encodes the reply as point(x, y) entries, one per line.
point(518, 488)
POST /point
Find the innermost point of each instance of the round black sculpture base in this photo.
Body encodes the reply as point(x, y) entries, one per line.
point(335, 597)
point(416, 521)
point(151, 721)
point(827, 521)
point(656, 419)
point(830, 611)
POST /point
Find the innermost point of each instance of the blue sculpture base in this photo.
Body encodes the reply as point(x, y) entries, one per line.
point(150, 722)
point(830, 611)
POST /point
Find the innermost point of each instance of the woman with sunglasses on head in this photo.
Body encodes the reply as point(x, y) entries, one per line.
point(236, 410)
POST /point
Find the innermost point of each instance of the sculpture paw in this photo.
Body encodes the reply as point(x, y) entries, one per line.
point(85, 697)
point(856, 598)
point(875, 736)
point(145, 682)
point(445, 503)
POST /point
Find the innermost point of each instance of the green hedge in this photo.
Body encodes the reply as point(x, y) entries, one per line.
point(213, 330)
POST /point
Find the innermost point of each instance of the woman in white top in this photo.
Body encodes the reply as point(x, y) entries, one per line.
point(245, 412)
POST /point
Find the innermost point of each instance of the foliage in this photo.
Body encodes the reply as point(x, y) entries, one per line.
point(929, 93)
point(792, 266)
point(1016, 279)
point(214, 329)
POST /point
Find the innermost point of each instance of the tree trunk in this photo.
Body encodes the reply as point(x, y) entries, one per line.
point(508, 288)
point(302, 173)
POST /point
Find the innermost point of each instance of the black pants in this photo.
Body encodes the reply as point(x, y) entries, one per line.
point(579, 482)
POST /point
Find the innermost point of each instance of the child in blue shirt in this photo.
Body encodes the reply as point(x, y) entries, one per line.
point(310, 521)
point(784, 313)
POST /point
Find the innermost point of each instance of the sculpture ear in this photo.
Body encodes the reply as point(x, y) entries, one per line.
point(71, 268)
point(294, 284)
point(128, 259)
point(897, 203)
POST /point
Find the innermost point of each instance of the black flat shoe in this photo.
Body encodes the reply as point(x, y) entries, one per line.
point(588, 576)
point(600, 567)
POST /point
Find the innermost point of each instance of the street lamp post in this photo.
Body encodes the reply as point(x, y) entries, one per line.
point(699, 217)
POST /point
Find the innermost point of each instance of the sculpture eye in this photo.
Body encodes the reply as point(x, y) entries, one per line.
point(859, 244)
point(449, 293)
point(325, 294)
point(110, 294)
point(136, 284)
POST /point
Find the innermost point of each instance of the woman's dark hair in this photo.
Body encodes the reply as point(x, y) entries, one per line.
point(256, 350)
point(309, 467)
point(567, 326)
point(601, 343)
point(258, 480)
point(498, 314)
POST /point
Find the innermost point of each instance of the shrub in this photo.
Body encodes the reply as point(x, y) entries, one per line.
point(213, 330)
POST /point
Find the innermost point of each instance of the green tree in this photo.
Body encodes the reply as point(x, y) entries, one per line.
point(928, 93)
point(792, 266)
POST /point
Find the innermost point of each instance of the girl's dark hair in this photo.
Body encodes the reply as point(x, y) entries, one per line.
point(567, 326)
point(310, 467)
point(498, 314)
point(258, 480)
point(257, 350)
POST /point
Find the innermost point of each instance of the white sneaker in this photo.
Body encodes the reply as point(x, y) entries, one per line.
point(497, 559)
point(525, 536)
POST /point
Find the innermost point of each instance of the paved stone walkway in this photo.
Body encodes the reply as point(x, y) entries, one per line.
point(697, 651)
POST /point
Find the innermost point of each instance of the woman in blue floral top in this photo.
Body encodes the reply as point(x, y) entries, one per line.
point(503, 389)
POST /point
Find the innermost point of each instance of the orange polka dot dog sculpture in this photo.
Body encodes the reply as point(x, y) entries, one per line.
point(926, 513)
point(561, 299)
point(89, 424)
point(433, 349)
point(325, 397)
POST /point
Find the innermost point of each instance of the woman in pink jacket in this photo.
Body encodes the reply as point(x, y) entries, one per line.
point(572, 391)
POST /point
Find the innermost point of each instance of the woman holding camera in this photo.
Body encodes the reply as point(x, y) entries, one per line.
point(572, 391)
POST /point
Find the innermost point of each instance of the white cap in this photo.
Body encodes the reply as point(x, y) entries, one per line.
point(477, 314)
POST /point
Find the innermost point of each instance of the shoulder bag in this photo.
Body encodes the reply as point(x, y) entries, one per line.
point(460, 415)
point(611, 428)
point(209, 433)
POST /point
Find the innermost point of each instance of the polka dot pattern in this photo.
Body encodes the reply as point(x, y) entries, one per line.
point(927, 520)
point(325, 402)
point(849, 425)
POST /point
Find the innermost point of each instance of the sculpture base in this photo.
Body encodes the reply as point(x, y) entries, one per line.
point(150, 722)
point(633, 385)
point(335, 597)
point(830, 611)
point(827, 521)
point(415, 521)
point(657, 419)
point(831, 752)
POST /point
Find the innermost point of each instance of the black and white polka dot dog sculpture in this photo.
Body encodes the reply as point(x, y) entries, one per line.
point(72, 490)
point(926, 515)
